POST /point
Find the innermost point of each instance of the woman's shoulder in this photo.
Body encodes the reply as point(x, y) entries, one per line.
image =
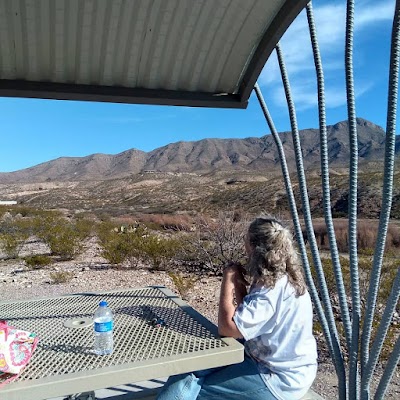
point(281, 285)
point(282, 289)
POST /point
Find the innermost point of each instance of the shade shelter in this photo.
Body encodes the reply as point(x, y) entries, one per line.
point(210, 53)
point(181, 52)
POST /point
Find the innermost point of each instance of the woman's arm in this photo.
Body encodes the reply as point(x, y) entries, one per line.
point(233, 287)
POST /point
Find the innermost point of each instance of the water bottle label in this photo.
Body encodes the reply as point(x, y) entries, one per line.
point(103, 326)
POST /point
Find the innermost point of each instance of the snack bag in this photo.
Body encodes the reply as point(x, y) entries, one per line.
point(16, 348)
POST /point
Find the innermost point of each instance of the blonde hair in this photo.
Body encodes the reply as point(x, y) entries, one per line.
point(273, 255)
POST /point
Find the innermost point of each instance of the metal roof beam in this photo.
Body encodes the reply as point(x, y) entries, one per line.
point(271, 37)
point(116, 94)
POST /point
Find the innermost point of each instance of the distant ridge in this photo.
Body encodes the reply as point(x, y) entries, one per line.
point(207, 155)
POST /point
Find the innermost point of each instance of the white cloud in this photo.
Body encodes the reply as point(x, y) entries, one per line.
point(373, 12)
point(304, 94)
point(330, 20)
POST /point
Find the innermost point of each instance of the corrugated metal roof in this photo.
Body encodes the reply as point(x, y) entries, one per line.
point(182, 52)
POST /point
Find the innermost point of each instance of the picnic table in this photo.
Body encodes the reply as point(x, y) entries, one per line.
point(63, 362)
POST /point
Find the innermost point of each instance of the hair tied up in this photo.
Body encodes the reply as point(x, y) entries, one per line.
point(273, 254)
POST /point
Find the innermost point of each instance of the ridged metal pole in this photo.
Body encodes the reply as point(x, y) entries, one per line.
point(387, 190)
point(325, 177)
point(352, 206)
point(338, 357)
point(296, 221)
point(380, 336)
point(389, 371)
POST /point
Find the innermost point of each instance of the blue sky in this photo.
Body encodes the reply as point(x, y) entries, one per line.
point(35, 131)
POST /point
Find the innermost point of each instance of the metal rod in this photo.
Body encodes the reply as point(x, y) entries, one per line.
point(338, 357)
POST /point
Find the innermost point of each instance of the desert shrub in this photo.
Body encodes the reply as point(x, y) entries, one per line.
point(367, 251)
point(13, 234)
point(26, 211)
point(104, 230)
point(388, 274)
point(389, 270)
point(117, 248)
point(37, 261)
point(218, 241)
point(83, 227)
point(64, 242)
point(135, 244)
point(327, 266)
point(116, 244)
point(391, 337)
point(62, 236)
point(182, 283)
point(11, 244)
point(58, 277)
point(157, 250)
point(17, 226)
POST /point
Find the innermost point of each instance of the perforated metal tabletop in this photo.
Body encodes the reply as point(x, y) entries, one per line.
point(63, 362)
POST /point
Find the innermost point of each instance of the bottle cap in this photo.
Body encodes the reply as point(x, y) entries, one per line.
point(103, 304)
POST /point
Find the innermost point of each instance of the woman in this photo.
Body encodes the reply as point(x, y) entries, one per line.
point(274, 319)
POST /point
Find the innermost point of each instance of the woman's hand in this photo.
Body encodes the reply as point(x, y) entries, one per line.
point(233, 290)
point(236, 273)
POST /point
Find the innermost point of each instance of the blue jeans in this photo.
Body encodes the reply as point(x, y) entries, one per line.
point(238, 381)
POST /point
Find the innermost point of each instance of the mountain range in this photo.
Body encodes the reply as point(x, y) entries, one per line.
point(208, 155)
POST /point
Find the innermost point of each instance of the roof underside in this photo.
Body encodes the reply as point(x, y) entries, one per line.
point(173, 52)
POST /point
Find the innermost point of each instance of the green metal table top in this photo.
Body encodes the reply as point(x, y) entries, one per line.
point(63, 362)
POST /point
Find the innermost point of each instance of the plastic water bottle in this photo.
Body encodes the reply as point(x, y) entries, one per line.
point(103, 330)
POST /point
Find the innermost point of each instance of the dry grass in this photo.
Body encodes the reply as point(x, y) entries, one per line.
point(183, 283)
point(180, 222)
point(366, 236)
point(59, 277)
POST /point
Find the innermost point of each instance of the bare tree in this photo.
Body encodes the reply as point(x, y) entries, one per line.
point(217, 241)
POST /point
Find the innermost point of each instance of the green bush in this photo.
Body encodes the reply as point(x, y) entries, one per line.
point(158, 250)
point(11, 244)
point(368, 251)
point(389, 271)
point(327, 266)
point(37, 261)
point(83, 227)
point(13, 234)
point(26, 211)
point(116, 245)
point(62, 236)
point(136, 244)
point(118, 248)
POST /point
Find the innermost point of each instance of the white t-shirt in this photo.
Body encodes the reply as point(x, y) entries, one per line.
point(277, 327)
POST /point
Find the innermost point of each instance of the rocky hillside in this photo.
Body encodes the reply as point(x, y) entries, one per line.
point(208, 155)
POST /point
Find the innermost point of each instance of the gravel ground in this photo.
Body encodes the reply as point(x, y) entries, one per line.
point(90, 272)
